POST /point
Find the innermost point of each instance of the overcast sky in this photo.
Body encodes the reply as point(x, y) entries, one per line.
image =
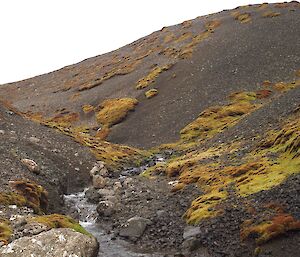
point(39, 36)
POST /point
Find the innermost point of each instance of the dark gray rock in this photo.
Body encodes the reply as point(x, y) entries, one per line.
point(92, 195)
point(135, 227)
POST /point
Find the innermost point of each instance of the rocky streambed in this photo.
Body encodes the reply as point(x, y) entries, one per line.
point(128, 214)
point(100, 210)
point(110, 246)
point(131, 215)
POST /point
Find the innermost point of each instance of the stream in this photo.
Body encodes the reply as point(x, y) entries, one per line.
point(87, 215)
point(87, 219)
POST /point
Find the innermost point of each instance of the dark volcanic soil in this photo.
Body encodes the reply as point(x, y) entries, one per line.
point(63, 164)
point(236, 57)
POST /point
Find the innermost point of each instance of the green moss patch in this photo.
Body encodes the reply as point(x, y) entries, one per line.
point(59, 221)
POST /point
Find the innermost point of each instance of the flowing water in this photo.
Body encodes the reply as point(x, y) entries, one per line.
point(87, 219)
point(87, 216)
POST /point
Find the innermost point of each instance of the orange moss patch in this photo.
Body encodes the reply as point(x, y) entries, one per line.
point(87, 108)
point(269, 230)
point(187, 24)
point(36, 196)
point(281, 5)
point(65, 118)
point(264, 93)
point(11, 198)
point(103, 133)
point(283, 87)
point(74, 97)
point(113, 111)
point(183, 37)
point(212, 25)
point(263, 6)
point(114, 155)
point(267, 83)
point(121, 68)
point(187, 50)
point(151, 77)
point(27, 193)
point(5, 231)
point(270, 14)
point(151, 93)
point(169, 37)
point(241, 17)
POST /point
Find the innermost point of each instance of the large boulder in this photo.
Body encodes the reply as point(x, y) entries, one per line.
point(62, 242)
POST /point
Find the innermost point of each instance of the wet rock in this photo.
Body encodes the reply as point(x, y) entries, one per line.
point(31, 165)
point(92, 195)
point(106, 208)
point(99, 181)
point(53, 243)
point(134, 228)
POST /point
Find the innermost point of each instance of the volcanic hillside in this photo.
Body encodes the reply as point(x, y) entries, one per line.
point(218, 97)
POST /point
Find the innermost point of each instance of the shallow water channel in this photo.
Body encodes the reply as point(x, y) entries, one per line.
point(88, 219)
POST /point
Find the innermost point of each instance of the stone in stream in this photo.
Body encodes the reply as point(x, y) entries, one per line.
point(63, 242)
point(106, 208)
point(92, 195)
point(134, 228)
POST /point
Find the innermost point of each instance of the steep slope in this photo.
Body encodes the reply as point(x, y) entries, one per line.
point(192, 65)
point(215, 101)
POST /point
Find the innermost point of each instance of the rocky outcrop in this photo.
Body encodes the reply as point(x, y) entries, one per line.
point(55, 242)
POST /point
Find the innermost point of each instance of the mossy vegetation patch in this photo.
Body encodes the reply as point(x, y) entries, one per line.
point(59, 221)
point(270, 229)
point(5, 231)
point(257, 172)
point(152, 75)
point(220, 171)
point(241, 17)
point(115, 155)
point(119, 69)
point(217, 118)
point(87, 108)
point(270, 14)
point(26, 193)
point(113, 111)
point(151, 93)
